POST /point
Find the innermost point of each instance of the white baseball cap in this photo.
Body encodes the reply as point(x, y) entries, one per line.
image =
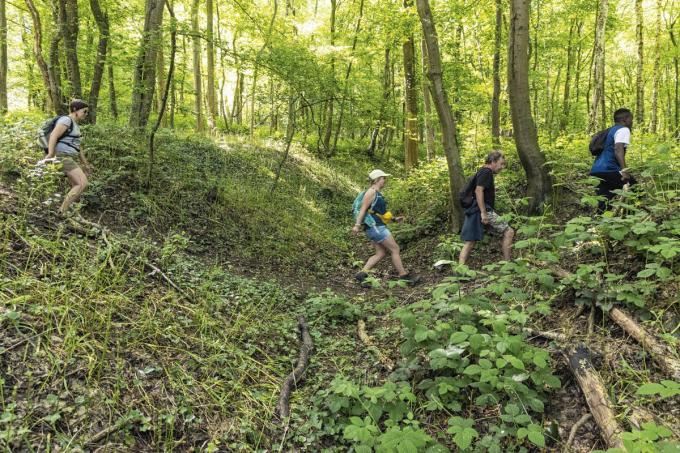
point(375, 174)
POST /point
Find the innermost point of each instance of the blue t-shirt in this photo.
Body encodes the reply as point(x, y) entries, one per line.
point(606, 162)
point(380, 207)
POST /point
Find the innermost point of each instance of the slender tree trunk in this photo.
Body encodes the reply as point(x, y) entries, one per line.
point(330, 104)
point(567, 80)
point(144, 83)
point(198, 87)
point(657, 70)
point(211, 95)
point(160, 81)
point(496, 97)
point(3, 57)
point(640, 83)
point(223, 77)
point(32, 98)
point(265, 44)
point(539, 184)
point(410, 102)
point(103, 24)
point(345, 89)
point(444, 112)
point(675, 129)
point(55, 74)
point(383, 105)
point(112, 89)
point(68, 26)
point(597, 102)
point(427, 104)
point(579, 62)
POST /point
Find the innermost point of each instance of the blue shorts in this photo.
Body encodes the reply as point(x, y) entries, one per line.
point(378, 233)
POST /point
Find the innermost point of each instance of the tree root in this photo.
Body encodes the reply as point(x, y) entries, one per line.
point(595, 394)
point(368, 342)
point(574, 429)
point(306, 349)
point(660, 354)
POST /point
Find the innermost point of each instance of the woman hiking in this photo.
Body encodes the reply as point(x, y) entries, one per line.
point(370, 216)
point(64, 145)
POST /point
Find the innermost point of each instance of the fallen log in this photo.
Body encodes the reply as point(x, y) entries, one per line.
point(595, 394)
point(306, 348)
point(660, 354)
point(368, 342)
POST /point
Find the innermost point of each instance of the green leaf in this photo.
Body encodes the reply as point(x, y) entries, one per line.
point(536, 438)
point(650, 389)
point(472, 369)
point(465, 437)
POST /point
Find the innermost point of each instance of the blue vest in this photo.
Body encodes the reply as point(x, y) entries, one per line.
point(380, 207)
point(606, 162)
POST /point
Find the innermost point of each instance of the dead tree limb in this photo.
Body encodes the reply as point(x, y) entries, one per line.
point(574, 429)
point(595, 394)
point(660, 354)
point(550, 335)
point(306, 349)
point(368, 342)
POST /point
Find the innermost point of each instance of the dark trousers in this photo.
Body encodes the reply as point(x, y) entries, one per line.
point(609, 181)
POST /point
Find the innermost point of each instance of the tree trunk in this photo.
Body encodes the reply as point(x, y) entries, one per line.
point(496, 97)
point(68, 27)
point(411, 103)
point(597, 102)
point(102, 20)
point(112, 89)
point(446, 118)
point(383, 105)
point(427, 104)
point(640, 83)
point(198, 90)
point(657, 70)
point(3, 57)
point(54, 74)
point(145, 69)
point(676, 65)
point(32, 98)
point(539, 184)
point(265, 44)
point(579, 61)
point(564, 119)
point(160, 81)
point(211, 94)
point(329, 104)
point(53, 96)
point(345, 90)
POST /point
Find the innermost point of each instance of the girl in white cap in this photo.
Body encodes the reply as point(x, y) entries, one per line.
point(371, 218)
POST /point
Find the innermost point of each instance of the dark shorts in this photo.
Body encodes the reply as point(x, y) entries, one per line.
point(68, 164)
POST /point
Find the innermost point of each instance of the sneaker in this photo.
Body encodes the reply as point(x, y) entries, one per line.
point(411, 279)
point(361, 277)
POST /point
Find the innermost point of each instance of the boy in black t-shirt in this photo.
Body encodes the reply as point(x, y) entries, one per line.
point(481, 213)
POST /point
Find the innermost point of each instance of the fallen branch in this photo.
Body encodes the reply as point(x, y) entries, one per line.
point(283, 406)
point(108, 431)
point(574, 429)
point(660, 354)
point(155, 270)
point(595, 394)
point(556, 336)
point(368, 342)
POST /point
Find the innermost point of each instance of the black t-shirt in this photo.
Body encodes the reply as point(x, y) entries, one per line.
point(485, 179)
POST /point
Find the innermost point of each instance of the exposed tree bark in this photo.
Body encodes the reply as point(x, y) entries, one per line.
point(3, 57)
point(539, 183)
point(102, 20)
point(597, 102)
point(52, 89)
point(68, 26)
point(160, 81)
point(54, 71)
point(410, 102)
point(595, 394)
point(330, 103)
point(444, 112)
point(657, 71)
point(640, 83)
point(145, 69)
point(237, 101)
point(198, 90)
point(579, 63)
point(345, 89)
point(496, 97)
point(161, 110)
point(224, 109)
point(33, 98)
point(113, 106)
point(306, 349)
point(211, 95)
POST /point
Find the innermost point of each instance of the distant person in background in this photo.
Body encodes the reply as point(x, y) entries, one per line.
point(371, 216)
point(65, 146)
point(480, 214)
point(610, 166)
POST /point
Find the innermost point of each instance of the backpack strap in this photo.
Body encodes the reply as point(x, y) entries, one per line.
point(68, 133)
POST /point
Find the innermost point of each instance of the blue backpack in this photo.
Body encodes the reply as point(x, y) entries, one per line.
point(356, 209)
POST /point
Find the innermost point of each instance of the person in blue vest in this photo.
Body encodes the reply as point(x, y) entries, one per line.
point(372, 218)
point(610, 166)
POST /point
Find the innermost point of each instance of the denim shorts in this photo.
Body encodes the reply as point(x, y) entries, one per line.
point(378, 233)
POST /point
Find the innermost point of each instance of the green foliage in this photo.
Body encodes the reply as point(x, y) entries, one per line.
point(650, 439)
point(664, 389)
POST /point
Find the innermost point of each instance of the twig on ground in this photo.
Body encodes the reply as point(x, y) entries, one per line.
point(562, 338)
point(574, 429)
point(108, 431)
point(306, 348)
point(155, 270)
point(368, 342)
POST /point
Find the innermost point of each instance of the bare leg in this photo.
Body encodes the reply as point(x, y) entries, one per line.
point(391, 245)
point(465, 253)
point(373, 260)
point(78, 182)
point(506, 245)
